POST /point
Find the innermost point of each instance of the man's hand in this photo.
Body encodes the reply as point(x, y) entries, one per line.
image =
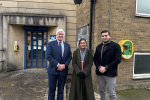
point(102, 69)
point(61, 67)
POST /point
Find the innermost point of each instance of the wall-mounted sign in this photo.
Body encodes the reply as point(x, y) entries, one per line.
point(34, 42)
point(39, 42)
point(126, 48)
point(82, 32)
point(52, 37)
point(15, 42)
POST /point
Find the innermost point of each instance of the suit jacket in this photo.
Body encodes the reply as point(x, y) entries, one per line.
point(54, 57)
point(111, 58)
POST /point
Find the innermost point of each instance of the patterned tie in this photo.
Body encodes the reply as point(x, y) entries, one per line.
point(60, 48)
point(102, 51)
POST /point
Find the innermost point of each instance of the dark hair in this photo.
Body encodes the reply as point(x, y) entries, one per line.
point(105, 31)
point(81, 40)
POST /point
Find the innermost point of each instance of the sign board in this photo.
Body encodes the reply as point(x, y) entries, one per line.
point(52, 37)
point(82, 32)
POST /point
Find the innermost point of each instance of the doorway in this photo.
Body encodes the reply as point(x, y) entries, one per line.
point(36, 39)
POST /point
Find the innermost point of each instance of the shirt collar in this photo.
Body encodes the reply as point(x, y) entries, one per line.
point(59, 41)
point(84, 49)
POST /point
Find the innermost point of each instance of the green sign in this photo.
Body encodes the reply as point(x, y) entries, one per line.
point(127, 50)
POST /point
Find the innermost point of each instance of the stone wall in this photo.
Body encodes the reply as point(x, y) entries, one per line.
point(40, 8)
point(52, 7)
point(12, 30)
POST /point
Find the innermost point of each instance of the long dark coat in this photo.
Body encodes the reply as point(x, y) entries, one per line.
point(86, 85)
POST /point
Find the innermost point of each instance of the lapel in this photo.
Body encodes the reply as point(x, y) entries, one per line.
point(109, 47)
point(64, 49)
point(78, 52)
point(57, 48)
point(100, 48)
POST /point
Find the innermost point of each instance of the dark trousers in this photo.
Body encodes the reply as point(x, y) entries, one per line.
point(52, 86)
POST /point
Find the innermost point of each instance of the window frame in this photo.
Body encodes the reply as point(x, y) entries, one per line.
point(139, 76)
point(140, 14)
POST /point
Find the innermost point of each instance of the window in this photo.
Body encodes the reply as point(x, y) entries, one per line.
point(143, 8)
point(141, 65)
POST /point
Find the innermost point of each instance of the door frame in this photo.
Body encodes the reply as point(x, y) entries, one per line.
point(34, 29)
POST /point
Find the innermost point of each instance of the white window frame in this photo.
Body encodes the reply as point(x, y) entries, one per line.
point(140, 76)
point(140, 14)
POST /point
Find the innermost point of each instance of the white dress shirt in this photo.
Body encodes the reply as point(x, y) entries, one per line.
point(62, 46)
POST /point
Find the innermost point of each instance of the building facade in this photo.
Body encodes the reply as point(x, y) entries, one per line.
point(30, 25)
point(125, 21)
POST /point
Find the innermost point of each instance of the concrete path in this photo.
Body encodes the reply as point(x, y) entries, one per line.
point(30, 84)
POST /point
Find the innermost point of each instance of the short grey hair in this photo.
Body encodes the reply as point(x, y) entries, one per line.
point(59, 30)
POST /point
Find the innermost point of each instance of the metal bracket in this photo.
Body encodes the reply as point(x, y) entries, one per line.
point(93, 1)
point(2, 50)
point(2, 61)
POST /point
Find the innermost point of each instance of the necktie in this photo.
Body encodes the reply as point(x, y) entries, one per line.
point(60, 48)
point(102, 51)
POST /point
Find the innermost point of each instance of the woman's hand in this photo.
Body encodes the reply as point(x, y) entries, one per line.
point(81, 75)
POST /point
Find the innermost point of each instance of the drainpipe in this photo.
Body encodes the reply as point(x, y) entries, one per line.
point(2, 60)
point(91, 18)
point(110, 16)
point(2, 50)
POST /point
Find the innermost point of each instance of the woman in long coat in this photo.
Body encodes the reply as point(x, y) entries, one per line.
point(81, 85)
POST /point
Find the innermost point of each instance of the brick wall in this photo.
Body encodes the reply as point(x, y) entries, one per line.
point(124, 26)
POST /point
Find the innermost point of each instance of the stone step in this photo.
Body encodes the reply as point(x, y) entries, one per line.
point(97, 96)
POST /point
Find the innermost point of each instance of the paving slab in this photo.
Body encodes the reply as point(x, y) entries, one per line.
point(29, 84)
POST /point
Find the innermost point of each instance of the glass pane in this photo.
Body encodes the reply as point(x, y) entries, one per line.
point(34, 49)
point(143, 6)
point(142, 64)
point(39, 48)
point(28, 48)
point(44, 50)
point(39, 42)
point(39, 45)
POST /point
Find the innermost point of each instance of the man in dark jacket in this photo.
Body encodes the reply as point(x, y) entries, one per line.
point(106, 59)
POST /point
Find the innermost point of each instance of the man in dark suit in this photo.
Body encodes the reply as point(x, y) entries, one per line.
point(106, 59)
point(59, 56)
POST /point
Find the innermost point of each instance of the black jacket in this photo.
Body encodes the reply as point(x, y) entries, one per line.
point(110, 58)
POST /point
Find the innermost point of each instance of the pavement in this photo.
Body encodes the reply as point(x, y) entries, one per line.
point(29, 84)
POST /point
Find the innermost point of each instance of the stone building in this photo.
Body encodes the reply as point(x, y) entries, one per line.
point(27, 23)
point(31, 24)
point(126, 20)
